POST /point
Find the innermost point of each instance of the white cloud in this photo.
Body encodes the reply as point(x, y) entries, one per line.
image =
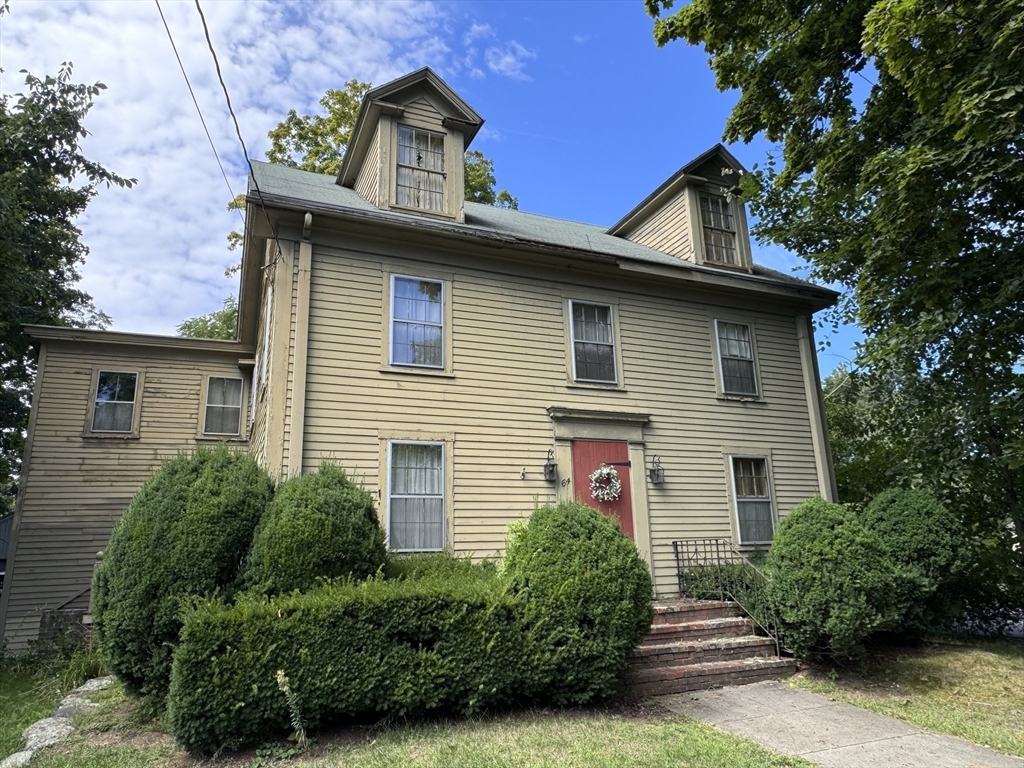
point(477, 31)
point(509, 60)
point(580, 39)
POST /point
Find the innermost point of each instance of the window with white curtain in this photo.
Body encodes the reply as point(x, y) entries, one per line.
point(417, 322)
point(114, 407)
point(719, 230)
point(736, 358)
point(223, 406)
point(420, 182)
point(416, 515)
point(593, 342)
point(753, 500)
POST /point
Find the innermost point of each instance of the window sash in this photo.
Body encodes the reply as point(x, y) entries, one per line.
point(593, 341)
point(754, 516)
point(420, 177)
point(114, 401)
point(416, 486)
point(223, 406)
point(417, 324)
point(736, 358)
point(719, 230)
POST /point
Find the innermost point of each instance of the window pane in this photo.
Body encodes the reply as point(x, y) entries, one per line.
point(417, 524)
point(224, 391)
point(115, 387)
point(222, 420)
point(756, 524)
point(738, 377)
point(417, 469)
point(417, 344)
point(592, 322)
point(595, 362)
point(113, 417)
point(736, 355)
point(420, 182)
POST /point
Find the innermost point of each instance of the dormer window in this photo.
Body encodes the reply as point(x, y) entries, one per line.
point(719, 230)
point(420, 182)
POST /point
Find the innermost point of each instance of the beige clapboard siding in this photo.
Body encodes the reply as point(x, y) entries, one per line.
point(368, 180)
point(509, 363)
point(76, 487)
point(667, 230)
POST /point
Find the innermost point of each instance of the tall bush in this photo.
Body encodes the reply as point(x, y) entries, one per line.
point(320, 525)
point(833, 582)
point(185, 534)
point(586, 597)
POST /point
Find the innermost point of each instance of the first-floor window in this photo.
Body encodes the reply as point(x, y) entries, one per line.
point(223, 406)
point(416, 520)
point(114, 409)
point(753, 500)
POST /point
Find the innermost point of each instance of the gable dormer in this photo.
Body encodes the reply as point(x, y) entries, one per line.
point(696, 214)
point(406, 149)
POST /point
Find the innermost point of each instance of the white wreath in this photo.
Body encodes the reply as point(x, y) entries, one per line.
point(605, 484)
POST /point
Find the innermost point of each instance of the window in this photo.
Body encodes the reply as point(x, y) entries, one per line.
point(416, 497)
point(114, 408)
point(417, 325)
point(421, 176)
point(753, 500)
point(719, 231)
point(593, 342)
point(223, 406)
point(736, 359)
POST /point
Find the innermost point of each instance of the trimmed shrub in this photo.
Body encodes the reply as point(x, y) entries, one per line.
point(319, 526)
point(438, 566)
point(586, 596)
point(184, 534)
point(921, 535)
point(832, 582)
point(436, 645)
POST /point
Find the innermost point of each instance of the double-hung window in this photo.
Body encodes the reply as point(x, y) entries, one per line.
point(736, 358)
point(417, 322)
point(593, 343)
point(719, 230)
point(114, 406)
point(420, 182)
point(416, 519)
point(223, 406)
point(754, 515)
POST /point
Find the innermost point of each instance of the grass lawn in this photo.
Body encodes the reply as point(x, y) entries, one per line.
point(113, 737)
point(21, 704)
point(972, 689)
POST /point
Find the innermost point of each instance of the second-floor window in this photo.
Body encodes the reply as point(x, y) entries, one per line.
point(719, 230)
point(417, 322)
point(736, 359)
point(114, 409)
point(223, 406)
point(593, 343)
point(420, 182)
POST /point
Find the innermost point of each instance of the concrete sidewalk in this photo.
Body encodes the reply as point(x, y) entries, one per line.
point(829, 733)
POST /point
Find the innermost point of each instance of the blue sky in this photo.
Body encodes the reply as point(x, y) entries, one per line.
point(585, 116)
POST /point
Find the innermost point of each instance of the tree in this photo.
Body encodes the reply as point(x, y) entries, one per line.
point(219, 324)
point(912, 196)
point(45, 182)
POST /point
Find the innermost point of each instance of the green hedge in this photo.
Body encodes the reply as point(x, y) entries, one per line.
point(586, 598)
point(369, 649)
point(319, 526)
point(184, 534)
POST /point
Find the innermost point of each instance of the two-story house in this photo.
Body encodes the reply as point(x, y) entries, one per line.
point(465, 362)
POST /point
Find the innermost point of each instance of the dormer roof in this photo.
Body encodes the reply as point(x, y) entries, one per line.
point(388, 99)
point(714, 160)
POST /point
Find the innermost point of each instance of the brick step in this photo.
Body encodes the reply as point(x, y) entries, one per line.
point(691, 631)
point(701, 651)
point(679, 611)
point(697, 677)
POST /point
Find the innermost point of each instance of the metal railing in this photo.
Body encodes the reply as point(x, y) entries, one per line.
point(713, 569)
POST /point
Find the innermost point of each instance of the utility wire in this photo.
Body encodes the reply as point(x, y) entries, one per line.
point(196, 102)
point(238, 131)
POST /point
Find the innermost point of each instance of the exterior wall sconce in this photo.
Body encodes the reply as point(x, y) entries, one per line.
point(656, 472)
point(550, 468)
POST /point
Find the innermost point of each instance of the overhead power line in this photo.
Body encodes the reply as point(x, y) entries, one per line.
point(196, 102)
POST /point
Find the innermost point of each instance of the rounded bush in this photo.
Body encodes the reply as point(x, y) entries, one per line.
point(586, 598)
point(185, 534)
point(832, 582)
point(921, 535)
point(319, 526)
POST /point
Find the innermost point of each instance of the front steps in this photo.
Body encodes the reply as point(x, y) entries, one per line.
point(698, 644)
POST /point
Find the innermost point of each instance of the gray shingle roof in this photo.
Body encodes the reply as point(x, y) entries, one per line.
point(321, 189)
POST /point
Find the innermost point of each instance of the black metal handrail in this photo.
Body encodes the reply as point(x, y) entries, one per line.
point(713, 569)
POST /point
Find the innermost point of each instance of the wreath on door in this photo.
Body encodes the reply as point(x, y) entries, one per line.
point(605, 484)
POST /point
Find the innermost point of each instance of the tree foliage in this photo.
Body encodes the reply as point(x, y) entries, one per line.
point(220, 324)
point(45, 183)
point(901, 176)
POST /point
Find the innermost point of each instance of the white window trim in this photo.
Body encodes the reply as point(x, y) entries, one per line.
point(753, 359)
point(444, 496)
point(613, 344)
point(736, 498)
point(135, 401)
point(207, 404)
point(441, 325)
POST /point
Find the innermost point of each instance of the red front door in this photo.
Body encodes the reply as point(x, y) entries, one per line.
point(587, 456)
